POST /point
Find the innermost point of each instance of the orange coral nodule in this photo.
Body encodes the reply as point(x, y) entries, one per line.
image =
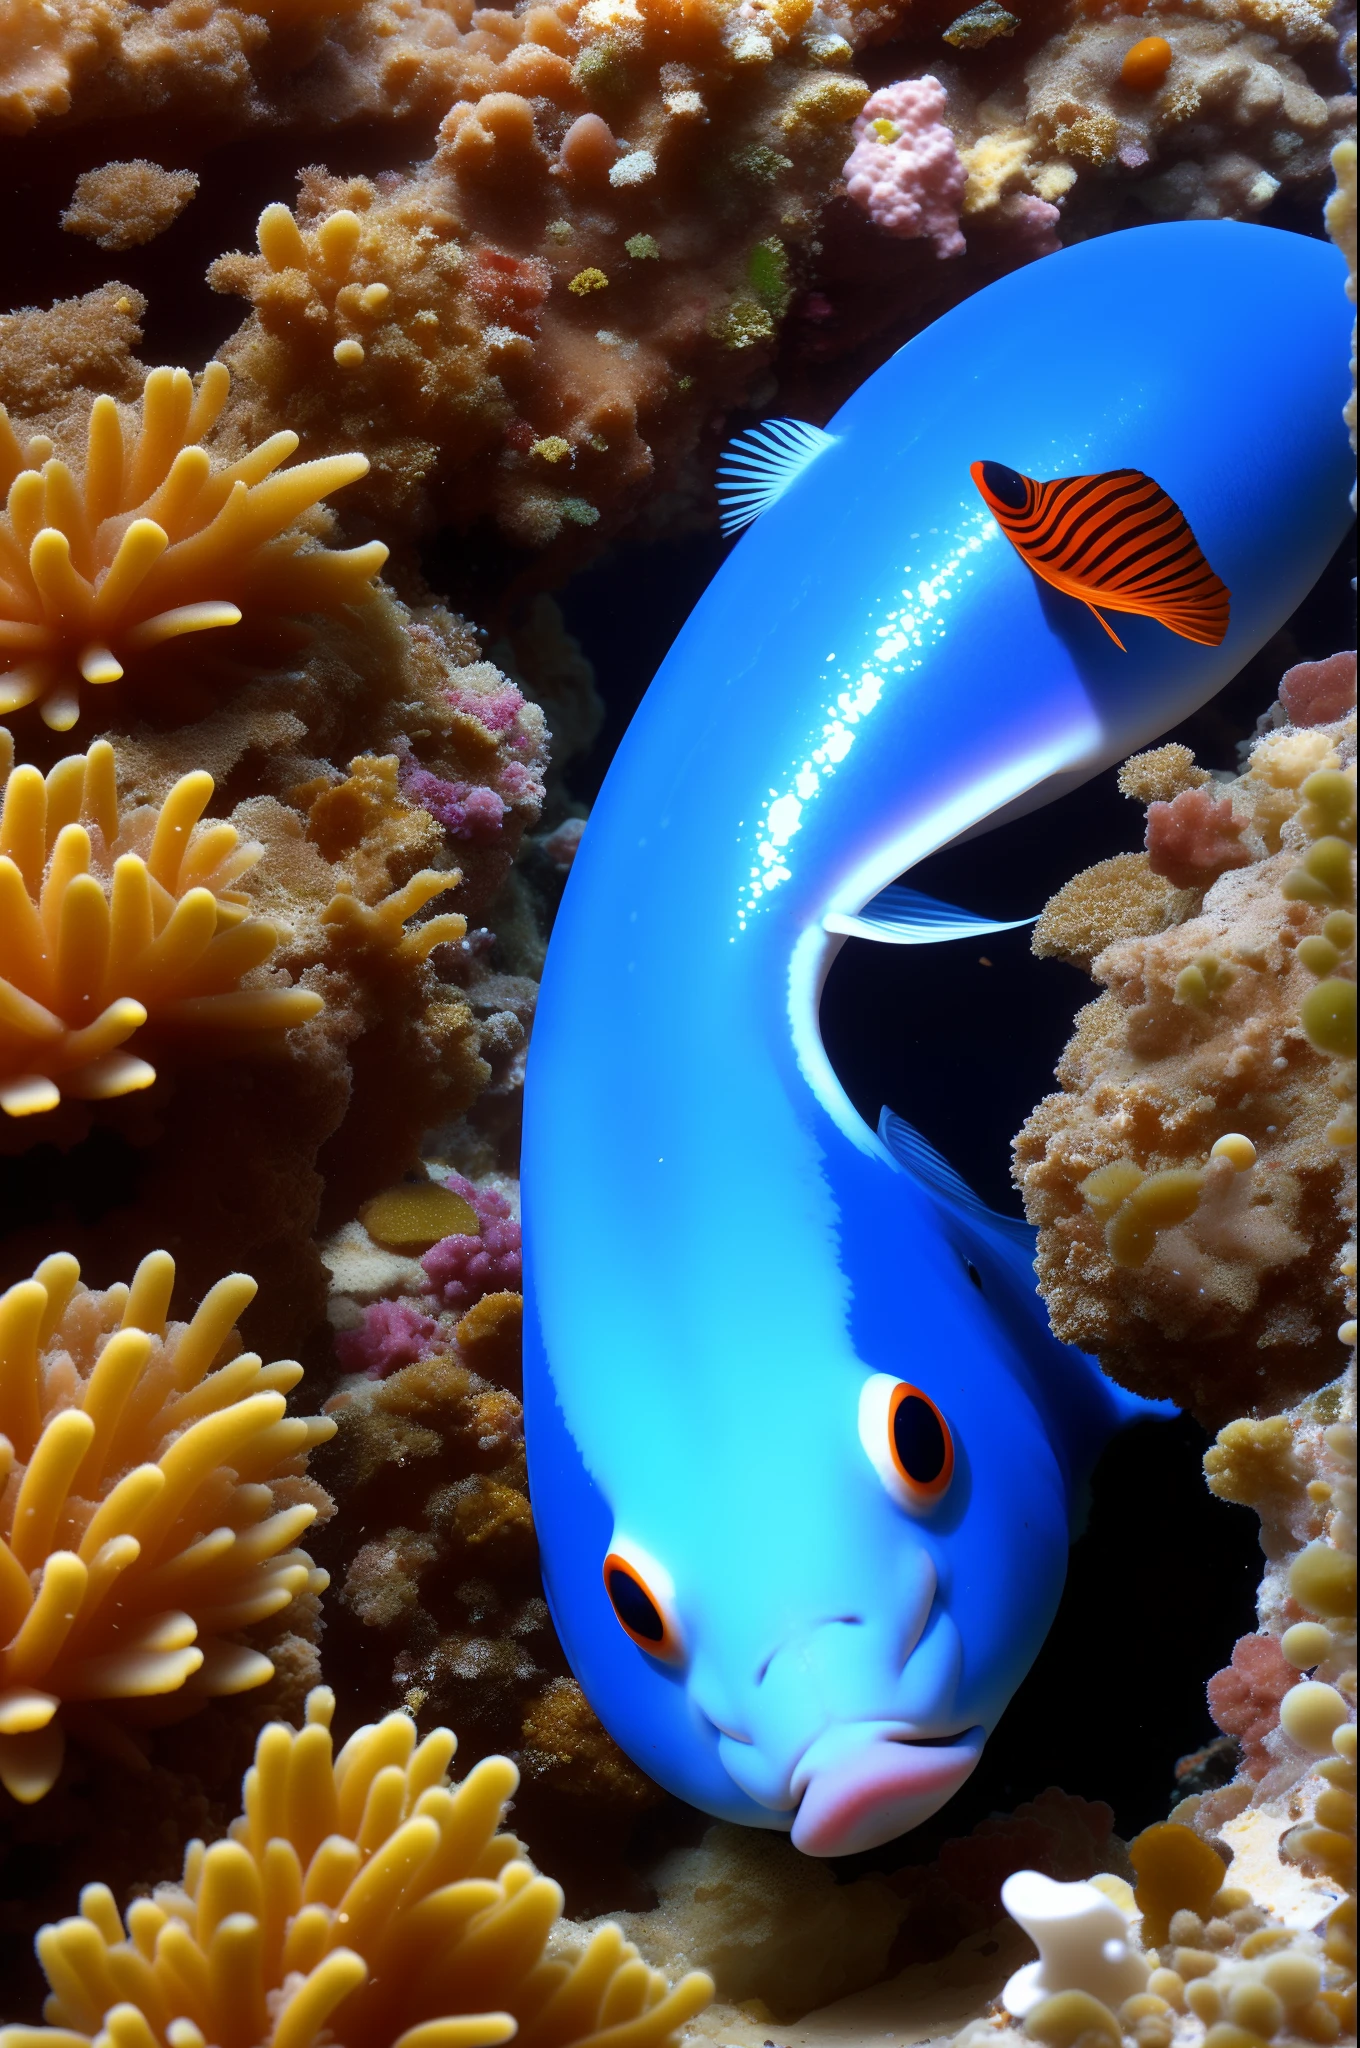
point(588, 151)
point(361, 1898)
point(154, 542)
point(111, 922)
point(495, 135)
point(139, 1532)
point(1176, 1869)
point(1146, 64)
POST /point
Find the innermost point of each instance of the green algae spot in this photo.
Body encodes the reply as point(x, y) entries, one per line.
point(641, 247)
point(602, 70)
point(981, 25)
point(767, 271)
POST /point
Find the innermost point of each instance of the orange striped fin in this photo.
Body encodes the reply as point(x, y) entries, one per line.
point(1115, 540)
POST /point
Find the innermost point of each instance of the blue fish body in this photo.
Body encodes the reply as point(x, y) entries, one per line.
point(726, 1272)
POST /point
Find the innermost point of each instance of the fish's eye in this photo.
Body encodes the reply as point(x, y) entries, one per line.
point(907, 1440)
point(643, 1599)
point(1006, 485)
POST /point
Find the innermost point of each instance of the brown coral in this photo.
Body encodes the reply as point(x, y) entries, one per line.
point(154, 1497)
point(361, 1898)
point(1188, 1182)
point(119, 927)
point(153, 542)
point(122, 205)
point(541, 320)
point(1194, 839)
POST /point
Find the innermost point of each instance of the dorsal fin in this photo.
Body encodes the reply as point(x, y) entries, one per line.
point(759, 466)
point(904, 917)
point(932, 1171)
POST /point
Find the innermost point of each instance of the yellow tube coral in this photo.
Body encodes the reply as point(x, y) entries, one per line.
point(154, 542)
point(151, 1497)
point(360, 1898)
point(107, 922)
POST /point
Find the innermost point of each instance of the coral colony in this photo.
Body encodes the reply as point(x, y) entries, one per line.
point(282, 838)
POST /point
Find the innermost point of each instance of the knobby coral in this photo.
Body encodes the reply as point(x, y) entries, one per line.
point(154, 1495)
point(904, 169)
point(1189, 1181)
point(155, 541)
point(110, 922)
point(122, 205)
point(360, 1898)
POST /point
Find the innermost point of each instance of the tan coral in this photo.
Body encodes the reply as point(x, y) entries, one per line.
point(121, 205)
point(360, 1897)
point(1210, 122)
point(154, 1499)
point(110, 922)
point(42, 51)
point(540, 320)
point(1189, 1181)
point(154, 541)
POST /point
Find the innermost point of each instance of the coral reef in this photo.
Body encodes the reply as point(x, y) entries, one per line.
point(447, 1600)
point(1189, 1182)
point(122, 205)
point(155, 1492)
point(269, 949)
point(155, 543)
point(115, 928)
point(360, 1897)
point(1260, 1947)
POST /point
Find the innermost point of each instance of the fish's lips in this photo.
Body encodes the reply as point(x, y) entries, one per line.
point(863, 1784)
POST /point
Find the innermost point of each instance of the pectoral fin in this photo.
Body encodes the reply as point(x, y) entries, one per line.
point(904, 917)
point(758, 467)
point(932, 1172)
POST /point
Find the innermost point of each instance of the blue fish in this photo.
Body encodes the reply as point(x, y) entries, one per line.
point(804, 1456)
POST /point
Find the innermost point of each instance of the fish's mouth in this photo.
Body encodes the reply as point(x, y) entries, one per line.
point(864, 1783)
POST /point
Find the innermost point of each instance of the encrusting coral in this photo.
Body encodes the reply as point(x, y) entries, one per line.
point(1262, 1949)
point(122, 205)
point(1190, 1181)
point(105, 572)
point(539, 322)
point(361, 1898)
point(154, 1493)
point(112, 922)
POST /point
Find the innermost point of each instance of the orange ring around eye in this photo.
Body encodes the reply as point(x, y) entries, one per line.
point(919, 1443)
point(643, 1614)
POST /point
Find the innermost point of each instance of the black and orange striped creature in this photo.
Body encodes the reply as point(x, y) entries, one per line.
point(1116, 541)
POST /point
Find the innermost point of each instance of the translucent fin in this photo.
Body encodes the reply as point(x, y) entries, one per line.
point(904, 917)
point(931, 1171)
point(759, 466)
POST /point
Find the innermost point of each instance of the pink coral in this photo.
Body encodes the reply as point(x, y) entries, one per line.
point(1244, 1698)
point(560, 846)
point(904, 170)
point(462, 1269)
point(1194, 839)
point(1033, 226)
point(390, 1335)
point(1316, 692)
point(497, 710)
point(462, 808)
point(519, 784)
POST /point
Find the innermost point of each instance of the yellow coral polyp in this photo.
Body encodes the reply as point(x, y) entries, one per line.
point(383, 925)
point(146, 1515)
point(110, 923)
point(154, 541)
point(359, 1898)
